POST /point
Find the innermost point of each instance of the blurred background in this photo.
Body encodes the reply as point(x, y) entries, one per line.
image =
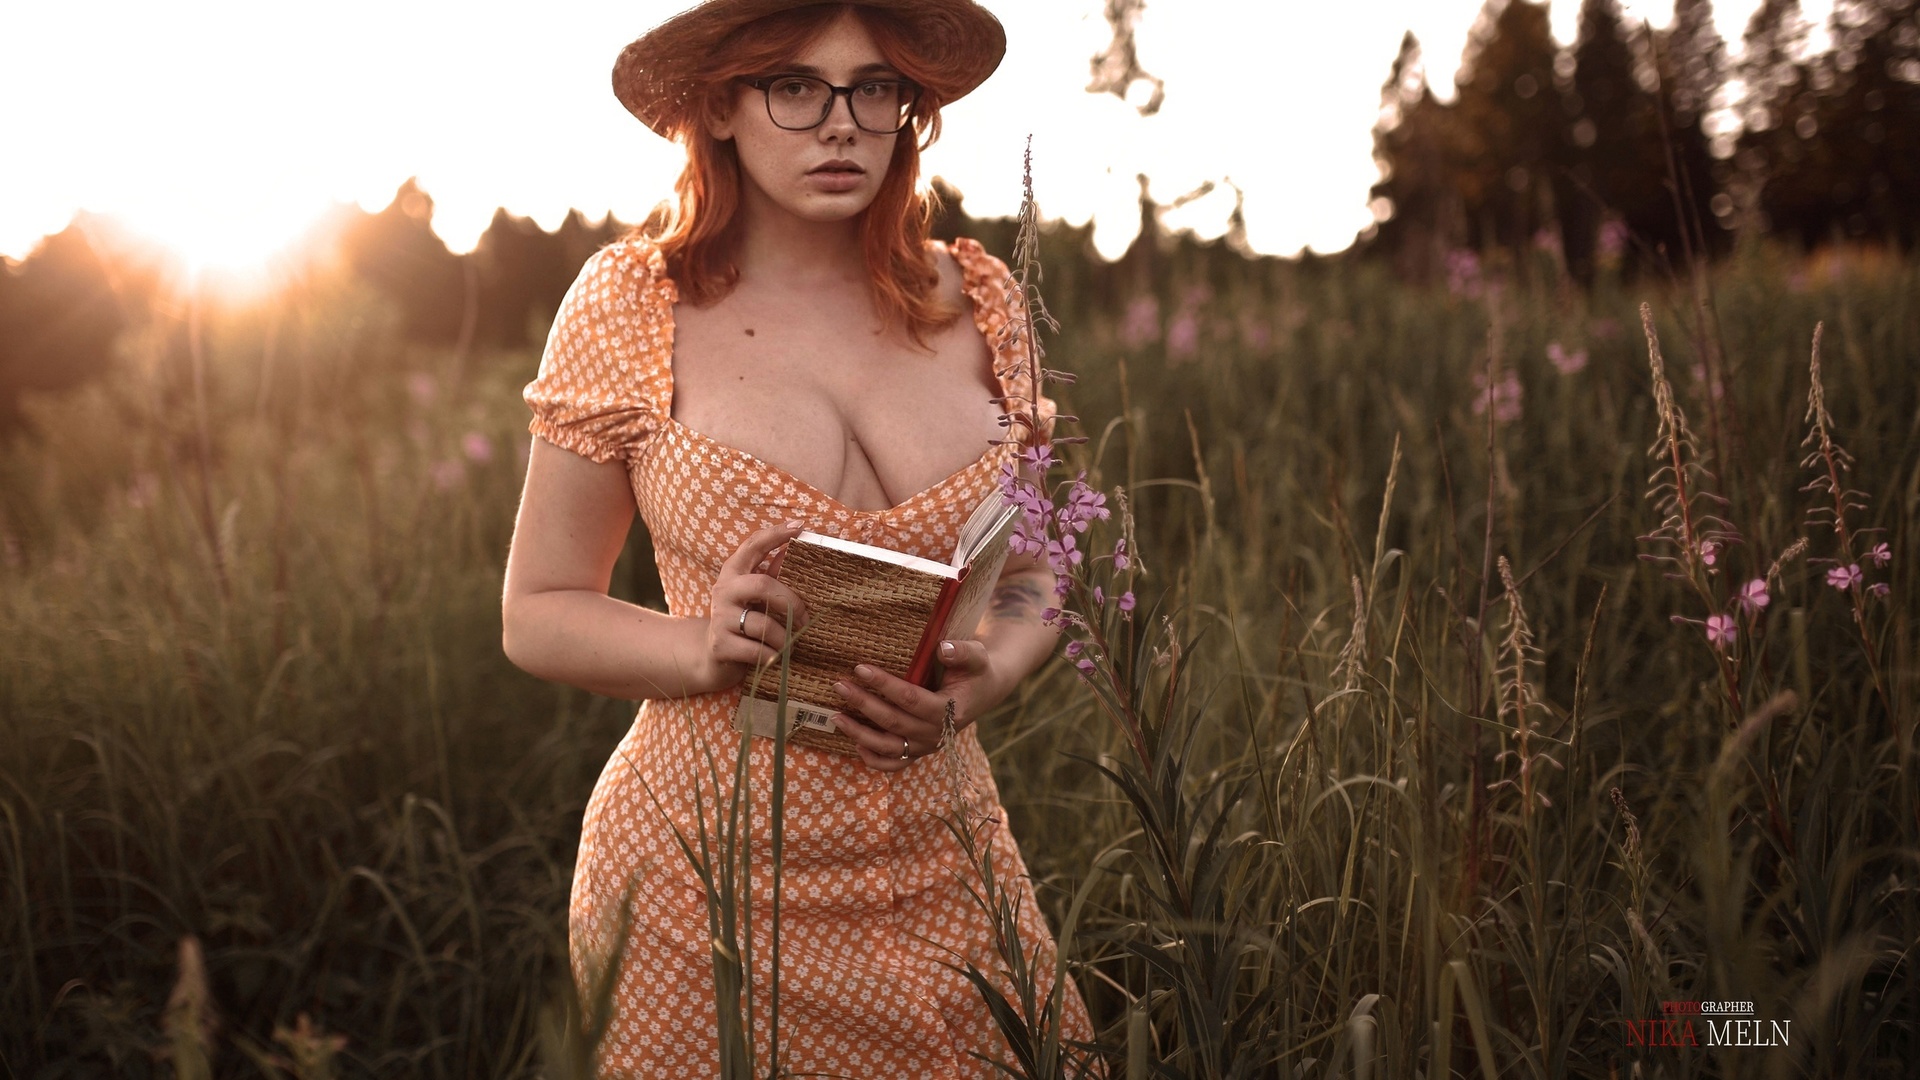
point(1354, 297)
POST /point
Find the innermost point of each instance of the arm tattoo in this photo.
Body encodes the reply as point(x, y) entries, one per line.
point(1016, 598)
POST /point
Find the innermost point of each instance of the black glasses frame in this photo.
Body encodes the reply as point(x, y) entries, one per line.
point(764, 84)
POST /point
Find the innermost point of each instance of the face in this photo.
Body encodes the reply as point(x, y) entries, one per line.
point(828, 173)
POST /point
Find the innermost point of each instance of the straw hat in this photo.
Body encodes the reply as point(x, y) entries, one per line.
point(653, 77)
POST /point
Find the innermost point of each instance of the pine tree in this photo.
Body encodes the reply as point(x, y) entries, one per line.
point(1412, 143)
point(1509, 123)
point(1618, 160)
point(1831, 148)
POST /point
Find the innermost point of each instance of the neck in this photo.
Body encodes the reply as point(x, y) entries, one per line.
point(774, 245)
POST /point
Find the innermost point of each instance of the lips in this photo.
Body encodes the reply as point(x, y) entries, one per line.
point(837, 177)
point(837, 167)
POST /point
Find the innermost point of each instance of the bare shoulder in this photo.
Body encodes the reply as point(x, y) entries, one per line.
point(952, 290)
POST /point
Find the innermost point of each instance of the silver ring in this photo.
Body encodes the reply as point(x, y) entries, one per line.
point(906, 753)
point(743, 622)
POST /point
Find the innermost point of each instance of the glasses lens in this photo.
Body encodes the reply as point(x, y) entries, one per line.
point(798, 102)
point(882, 106)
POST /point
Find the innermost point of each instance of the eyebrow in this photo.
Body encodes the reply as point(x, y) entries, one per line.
point(864, 69)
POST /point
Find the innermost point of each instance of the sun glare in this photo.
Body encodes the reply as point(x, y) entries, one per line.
point(237, 244)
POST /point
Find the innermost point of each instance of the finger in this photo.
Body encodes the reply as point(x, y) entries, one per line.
point(768, 630)
point(755, 549)
point(762, 593)
point(921, 704)
point(880, 750)
point(888, 717)
point(731, 648)
point(963, 657)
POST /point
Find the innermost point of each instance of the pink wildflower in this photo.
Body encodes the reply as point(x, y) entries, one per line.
point(1142, 322)
point(1881, 554)
point(1463, 274)
point(423, 388)
point(1062, 555)
point(1753, 596)
point(1566, 363)
point(1880, 589)
point(1020, 543)
point(1085, 665)
point(446, 474)
point(1845, 577)
point(1613, 239)
point(1084, 504)
point(1709, 552)
point(1506, 396)
point(1039, 457)
point(1255, 334)
point(146, 487)
point(477, 447)
point(1074, 648)
point(1721, 631)
point(1126, 600)
point(1183, 336)
point(1120, 559)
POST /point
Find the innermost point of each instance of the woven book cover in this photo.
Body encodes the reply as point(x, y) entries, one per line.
point(869, 605)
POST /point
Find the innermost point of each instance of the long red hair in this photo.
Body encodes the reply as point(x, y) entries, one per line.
point(696, 230)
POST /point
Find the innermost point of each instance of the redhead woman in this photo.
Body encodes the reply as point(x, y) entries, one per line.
point(783, 348)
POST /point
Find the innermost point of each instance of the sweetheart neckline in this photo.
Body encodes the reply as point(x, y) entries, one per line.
point(759, 462)
point(672, 388)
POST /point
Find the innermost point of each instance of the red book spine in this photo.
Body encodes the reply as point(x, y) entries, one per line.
point(921, 673)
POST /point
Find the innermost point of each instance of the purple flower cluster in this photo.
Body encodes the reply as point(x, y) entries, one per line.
point(1564, 361)
point(1053, 523)
point(1505, 396)
point(1463, 274)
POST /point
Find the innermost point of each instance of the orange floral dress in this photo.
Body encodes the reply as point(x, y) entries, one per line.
point(874, 902)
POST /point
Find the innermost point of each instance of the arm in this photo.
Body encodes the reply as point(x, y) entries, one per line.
point(558, 622)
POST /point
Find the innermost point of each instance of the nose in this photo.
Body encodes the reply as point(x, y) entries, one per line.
point(839, 122)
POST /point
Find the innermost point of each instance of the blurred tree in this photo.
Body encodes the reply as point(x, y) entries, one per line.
point(1698, 61)
point(1416, 205)
point(1832, 147)
point(397, 252)
point(524, 271)
point(1692, 62)
point(59, 318)
point(1509, 123)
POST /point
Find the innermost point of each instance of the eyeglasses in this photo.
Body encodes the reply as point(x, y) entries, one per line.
point(802, 102)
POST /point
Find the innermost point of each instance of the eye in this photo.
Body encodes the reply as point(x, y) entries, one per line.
point(792, 87)
point(874, 90)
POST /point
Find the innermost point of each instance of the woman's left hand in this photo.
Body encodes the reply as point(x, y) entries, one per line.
point(904, 721)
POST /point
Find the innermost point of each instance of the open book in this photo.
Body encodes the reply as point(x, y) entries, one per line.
point(872, 605)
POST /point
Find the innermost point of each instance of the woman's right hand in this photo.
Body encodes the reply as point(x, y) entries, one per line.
point(750, 610)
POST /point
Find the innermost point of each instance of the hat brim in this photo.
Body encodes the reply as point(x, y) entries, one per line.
point(653, 76)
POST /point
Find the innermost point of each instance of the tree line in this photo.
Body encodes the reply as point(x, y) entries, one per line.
point(1647, 145)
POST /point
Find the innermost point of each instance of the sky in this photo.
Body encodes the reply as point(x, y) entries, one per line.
point(224, 128)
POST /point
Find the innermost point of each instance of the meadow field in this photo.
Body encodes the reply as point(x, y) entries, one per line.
point(1454, 743)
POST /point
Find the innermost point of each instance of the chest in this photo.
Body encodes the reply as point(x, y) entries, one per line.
point(814, 387)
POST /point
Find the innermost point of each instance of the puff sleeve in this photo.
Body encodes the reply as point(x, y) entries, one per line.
point(604, 381)
point(989, 287)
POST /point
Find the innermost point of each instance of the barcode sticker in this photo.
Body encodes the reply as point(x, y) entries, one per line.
point(813, 718)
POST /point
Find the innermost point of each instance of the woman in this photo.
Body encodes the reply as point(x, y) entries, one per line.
point(784, 349)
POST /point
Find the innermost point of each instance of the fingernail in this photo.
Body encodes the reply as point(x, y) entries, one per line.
point(843, 689)
point(865, 673)
point(947, 650)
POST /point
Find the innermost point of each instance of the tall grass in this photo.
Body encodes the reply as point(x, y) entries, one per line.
point(1398, 813)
